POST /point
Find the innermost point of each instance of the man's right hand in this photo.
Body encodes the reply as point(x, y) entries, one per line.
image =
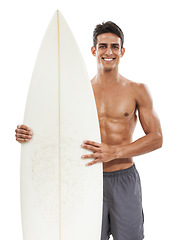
point(23, 133)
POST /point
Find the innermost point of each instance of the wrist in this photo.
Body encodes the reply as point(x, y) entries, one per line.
point(118, 152)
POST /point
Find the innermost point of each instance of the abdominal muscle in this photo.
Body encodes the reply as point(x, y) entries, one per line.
point(117, 133)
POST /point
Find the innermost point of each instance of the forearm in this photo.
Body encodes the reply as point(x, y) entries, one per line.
point(148, 143)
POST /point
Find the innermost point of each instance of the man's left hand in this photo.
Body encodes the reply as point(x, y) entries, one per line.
point(101, 152)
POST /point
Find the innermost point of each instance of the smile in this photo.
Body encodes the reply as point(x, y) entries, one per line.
point(108, 59)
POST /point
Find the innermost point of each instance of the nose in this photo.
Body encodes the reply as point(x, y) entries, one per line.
point(108, 50)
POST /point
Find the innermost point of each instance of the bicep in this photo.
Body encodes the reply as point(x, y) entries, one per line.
point(147, 115)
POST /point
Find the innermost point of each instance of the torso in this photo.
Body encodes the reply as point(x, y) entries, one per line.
point(116, 107)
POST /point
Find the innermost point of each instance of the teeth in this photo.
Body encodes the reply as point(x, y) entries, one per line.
point(108, 59)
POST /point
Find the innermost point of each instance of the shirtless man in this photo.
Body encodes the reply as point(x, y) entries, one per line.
point(118, 100)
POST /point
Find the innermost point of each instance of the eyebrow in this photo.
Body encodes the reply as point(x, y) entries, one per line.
point(112, 44)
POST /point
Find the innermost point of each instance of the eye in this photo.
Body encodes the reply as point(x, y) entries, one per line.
point(102, 46)
point(116, 47)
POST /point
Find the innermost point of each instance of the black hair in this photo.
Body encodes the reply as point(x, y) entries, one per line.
point(107, 27)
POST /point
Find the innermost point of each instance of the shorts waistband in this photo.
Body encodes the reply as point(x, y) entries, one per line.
point(120, 172)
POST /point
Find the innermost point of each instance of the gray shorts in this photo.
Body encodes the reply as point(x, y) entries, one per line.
point(122, 205)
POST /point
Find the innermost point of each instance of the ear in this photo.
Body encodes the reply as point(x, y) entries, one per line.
point(93, 50)
point(122, 52)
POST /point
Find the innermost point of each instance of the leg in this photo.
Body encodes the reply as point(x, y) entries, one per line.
point(105, 230)
point(126, 213)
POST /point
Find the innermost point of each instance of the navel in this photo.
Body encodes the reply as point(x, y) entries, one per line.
point(126, 114)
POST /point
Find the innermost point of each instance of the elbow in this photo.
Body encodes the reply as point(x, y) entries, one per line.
point(158, 140)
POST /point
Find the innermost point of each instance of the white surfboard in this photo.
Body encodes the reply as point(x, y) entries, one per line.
point(61, 198)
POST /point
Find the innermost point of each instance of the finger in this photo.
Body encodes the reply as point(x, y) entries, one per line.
point(89, 147)
point(24, 127)
point(21, 140)
point(92, 143)
point(88, 156)
point(92, 163)
point(23, 132)
point(23, 136)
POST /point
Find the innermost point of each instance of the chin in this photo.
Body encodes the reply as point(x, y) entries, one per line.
point(108, 68)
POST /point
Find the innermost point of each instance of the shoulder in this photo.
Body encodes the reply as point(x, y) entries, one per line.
point(135, 86)
point(93, 79)
point(141, 93)
point(139, 88)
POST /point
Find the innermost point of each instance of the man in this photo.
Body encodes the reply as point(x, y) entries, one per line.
point(118, 100)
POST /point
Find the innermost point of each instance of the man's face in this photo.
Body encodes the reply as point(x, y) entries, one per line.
point(108, 51)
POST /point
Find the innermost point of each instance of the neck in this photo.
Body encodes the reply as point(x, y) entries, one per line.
point(107, 77)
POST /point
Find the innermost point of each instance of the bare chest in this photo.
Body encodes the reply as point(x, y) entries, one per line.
point(115, 103)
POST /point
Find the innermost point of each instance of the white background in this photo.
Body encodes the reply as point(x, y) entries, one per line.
point(152, 43)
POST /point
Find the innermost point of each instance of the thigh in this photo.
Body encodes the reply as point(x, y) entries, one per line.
point(126, 213)
point(105, 229)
